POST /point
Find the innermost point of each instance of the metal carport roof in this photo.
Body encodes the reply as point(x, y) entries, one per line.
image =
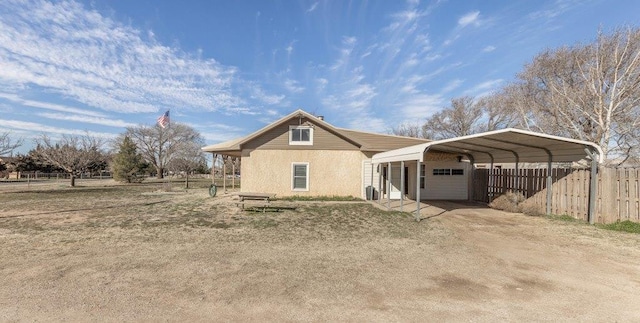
point(506, 146)
point(500, 146)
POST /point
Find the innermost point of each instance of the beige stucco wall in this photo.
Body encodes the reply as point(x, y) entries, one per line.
point(331, 172)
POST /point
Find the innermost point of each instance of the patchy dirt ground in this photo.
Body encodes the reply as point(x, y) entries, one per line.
point(111, 253)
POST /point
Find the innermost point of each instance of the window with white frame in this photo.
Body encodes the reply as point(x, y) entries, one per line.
point(300, 176)
point(300, 135)
point(422, 175)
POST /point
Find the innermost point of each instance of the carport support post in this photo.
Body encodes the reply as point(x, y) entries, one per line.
point(213, 168)
point(470, 188)
point(389, 186)
point(401, 185)
point(418, 190)
point(380, 183)
point(233, 170)
point(224, 173)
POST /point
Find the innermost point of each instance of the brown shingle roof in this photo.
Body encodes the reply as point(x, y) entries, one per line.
point(366, 141)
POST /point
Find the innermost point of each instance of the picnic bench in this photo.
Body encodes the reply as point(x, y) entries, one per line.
point(249, 196)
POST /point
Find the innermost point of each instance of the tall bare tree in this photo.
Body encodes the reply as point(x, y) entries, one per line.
point(159, 146)
point(467, 115)
point(73, 154)
point(7, 144)
point(188, 159)
point(408, 130)
point(586, 91)
point(460, 119)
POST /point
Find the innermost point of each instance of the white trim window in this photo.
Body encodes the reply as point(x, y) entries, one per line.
point(300, 135)
point(300, 177)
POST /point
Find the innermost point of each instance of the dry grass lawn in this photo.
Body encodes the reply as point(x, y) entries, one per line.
point(102, 252)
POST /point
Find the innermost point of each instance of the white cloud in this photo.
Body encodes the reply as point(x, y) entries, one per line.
point(322, 82)
point(289, 48)
point(258, 93)
point(313, 7)
point(421, 106)
point(213, 137)
point(87, 119)
point(348, 44)
point(369, 123)
point(293, 86)
point(218, 132)
point(411, 84)
point(452, 85)
point(40, 128)
point(48, 106)
point(485, 88)
point(488, 49)
point(471, 18)
point(84, 56)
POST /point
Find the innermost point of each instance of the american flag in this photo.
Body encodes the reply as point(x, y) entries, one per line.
point(163, 121)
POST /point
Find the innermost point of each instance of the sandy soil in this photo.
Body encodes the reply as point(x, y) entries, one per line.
point(148, 256)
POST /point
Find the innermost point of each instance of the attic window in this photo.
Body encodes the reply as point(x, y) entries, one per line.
point(300, 135)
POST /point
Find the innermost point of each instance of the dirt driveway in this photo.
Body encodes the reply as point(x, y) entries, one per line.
point(527, 268)
point(322, 262)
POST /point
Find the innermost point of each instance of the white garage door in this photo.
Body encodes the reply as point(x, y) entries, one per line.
point(446, 180)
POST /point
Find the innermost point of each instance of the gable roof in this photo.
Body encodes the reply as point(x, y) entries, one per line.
point(365, 141)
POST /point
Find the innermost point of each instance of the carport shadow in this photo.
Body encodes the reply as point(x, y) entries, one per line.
point(430, 208)
point(435, 208)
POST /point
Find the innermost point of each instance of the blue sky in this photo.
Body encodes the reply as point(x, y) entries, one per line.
point(227, 68)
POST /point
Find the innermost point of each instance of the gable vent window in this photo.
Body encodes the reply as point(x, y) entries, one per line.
point(300, 135)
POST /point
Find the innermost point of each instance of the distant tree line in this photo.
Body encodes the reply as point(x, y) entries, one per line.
point(585, 91)
point(138, 152)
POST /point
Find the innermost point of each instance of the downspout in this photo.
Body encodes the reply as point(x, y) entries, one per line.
point(370, 198)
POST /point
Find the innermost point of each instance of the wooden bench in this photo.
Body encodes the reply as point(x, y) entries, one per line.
point(248, 196)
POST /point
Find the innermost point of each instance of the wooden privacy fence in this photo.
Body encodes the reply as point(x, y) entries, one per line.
point(617, 195)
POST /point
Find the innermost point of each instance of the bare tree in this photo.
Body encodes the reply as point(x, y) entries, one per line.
point(460, 119)
point(159, 146)
point(496, 113)
point(188, 159)
point(586, 91)
point(73, 154)
point(408, 130)
point(7, 145)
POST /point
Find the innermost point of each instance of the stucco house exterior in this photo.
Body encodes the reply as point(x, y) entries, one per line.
point(301, 154)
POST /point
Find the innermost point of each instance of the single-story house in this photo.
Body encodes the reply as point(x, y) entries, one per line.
point(301, 154)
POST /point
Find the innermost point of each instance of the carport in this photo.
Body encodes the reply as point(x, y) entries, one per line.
point(499, 146)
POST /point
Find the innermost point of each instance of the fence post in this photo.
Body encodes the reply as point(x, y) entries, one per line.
point(593, 186)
